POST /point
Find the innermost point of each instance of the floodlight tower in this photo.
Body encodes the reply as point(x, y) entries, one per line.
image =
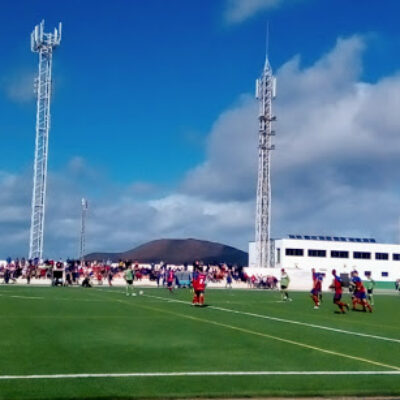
point(42, 43)
point(265, 92)
point(83, 230)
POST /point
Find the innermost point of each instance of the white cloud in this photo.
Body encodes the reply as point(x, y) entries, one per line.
point(18, 86)
point(231, 161)
point(318, 110)
point(237, 11)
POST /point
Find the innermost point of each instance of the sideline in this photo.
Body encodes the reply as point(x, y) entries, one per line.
point(21, 297)
point(196, 373)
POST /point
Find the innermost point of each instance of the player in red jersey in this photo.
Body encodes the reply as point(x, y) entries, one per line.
point(317, 288)
point(359, 293)
point(199, 286)
point(315, 275)
point(337, 286)
point(170, 279)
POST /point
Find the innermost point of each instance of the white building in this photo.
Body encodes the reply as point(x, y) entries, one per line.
point(324, 253)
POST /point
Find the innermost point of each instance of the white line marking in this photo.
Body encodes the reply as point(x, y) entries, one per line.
point(287, 321)
point(199, 373)
point(22, 297)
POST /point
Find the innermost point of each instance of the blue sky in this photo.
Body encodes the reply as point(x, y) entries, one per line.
point(148, 96)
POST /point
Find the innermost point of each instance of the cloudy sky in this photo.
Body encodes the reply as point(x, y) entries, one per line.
point(154, 120)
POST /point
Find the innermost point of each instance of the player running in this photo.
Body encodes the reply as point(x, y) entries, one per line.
point(369, 285)
point(337, 286)
point(359, 293)
point(199, 286)
point(284, 285)
point(317, 288)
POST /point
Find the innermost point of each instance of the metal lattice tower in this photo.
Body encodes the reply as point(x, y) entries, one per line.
point(42, 43)
point(265, 92)
point(83, 230)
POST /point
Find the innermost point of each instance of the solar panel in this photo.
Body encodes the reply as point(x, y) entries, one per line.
point(333, 238)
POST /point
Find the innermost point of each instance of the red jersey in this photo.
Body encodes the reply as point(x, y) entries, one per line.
point(358, 284)
point(337, 284)
point(170, 276)
point(199, 281)
point(317, 284)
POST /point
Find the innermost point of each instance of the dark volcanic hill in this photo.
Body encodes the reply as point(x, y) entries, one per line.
point(178, 251)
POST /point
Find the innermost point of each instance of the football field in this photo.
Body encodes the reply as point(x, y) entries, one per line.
point(75, 343)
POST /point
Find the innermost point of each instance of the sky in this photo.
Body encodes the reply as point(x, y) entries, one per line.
point(154, 121)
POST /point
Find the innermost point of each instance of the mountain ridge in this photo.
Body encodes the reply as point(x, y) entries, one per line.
point(177, 251)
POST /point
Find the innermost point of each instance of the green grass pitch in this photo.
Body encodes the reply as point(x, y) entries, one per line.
point(70, 331)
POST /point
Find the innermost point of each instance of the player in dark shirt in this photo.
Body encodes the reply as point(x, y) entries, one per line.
point(337, 286)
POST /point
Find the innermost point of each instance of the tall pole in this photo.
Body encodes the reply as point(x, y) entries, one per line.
point(42, 43)
point(265, 92)
point(83, 230)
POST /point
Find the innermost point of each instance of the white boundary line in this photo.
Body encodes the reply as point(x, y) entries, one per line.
point(287, 321)
point(21, 297)
point(189, 373)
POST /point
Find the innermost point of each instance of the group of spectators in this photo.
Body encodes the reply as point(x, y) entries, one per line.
point(262, 281)
point(76, 272)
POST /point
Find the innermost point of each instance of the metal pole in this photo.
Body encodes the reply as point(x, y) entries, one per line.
point(265, 92)
point(83, 231)
point(42, 43)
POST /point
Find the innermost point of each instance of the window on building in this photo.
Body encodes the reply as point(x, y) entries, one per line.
point(367, 273)
point(294, 252)
point(339, 254)
point(364, 255)
point(396, 257)
point(385, 274)
point(316, 253)
point(278, 256)
point(381, 256)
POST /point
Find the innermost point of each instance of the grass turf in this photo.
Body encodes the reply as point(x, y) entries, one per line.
point(75, 330)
